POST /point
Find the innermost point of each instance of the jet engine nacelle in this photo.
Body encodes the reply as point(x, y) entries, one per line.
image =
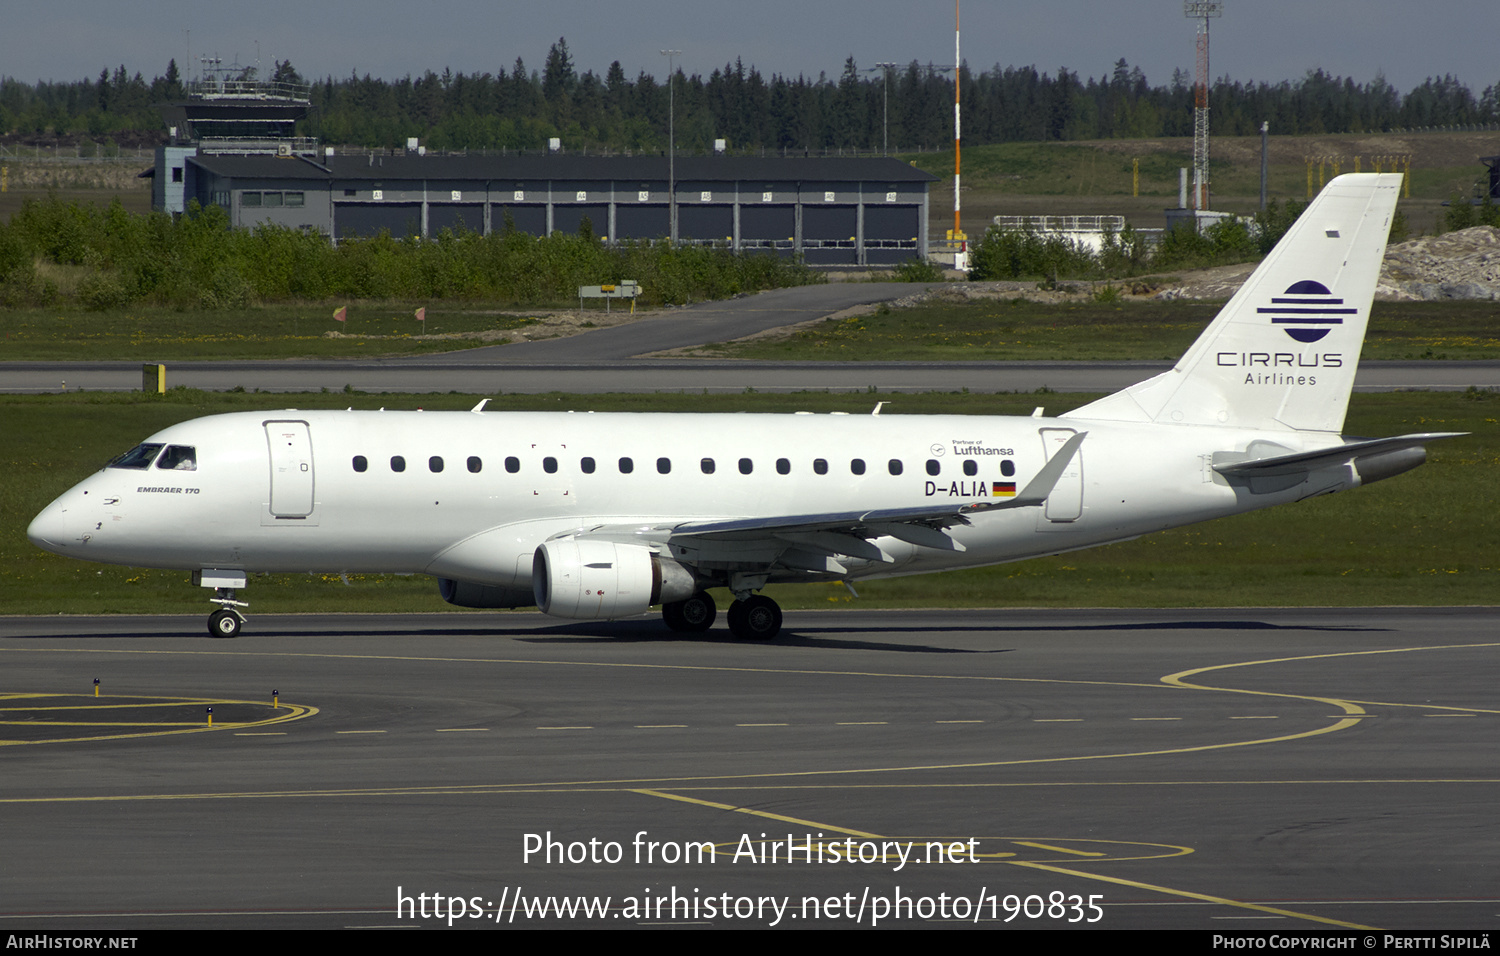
point(469, 594)
point(601, 580)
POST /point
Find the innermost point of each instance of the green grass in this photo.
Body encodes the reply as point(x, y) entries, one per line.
point(1010, 330)
point(1105, 169)
point(161, 333)
point(1423, 538)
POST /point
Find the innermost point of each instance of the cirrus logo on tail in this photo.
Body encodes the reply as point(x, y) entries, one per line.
point(1307, 311)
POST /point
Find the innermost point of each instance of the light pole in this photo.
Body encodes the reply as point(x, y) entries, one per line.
point(885, 106)
point(671, 144)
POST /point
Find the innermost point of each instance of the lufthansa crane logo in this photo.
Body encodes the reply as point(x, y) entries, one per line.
point(1307, 311)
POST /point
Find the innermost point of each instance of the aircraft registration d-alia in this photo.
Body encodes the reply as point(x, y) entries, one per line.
point(602, 516)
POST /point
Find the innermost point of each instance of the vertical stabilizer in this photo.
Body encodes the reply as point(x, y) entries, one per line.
point(1283, 352)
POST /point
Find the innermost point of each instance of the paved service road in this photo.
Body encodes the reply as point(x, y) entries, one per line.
point(721, 321)
point(1286, 770)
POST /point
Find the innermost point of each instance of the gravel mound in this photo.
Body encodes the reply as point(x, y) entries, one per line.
point(1457, 265)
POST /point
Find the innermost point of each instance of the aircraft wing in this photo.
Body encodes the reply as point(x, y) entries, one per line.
point(1303, 462)
point(847, 532)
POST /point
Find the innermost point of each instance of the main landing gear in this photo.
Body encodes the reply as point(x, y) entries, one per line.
point(693, 614)
point(754, 618)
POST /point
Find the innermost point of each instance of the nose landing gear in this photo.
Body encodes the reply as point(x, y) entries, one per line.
point(227, 620)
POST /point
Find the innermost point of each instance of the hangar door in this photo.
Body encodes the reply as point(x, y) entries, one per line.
point(370, 219)
point(569, 218)
point(459, 217)
point(641, 221)
point(892, 233)
point(768, 227)
point(705, 222)
point(530, 219)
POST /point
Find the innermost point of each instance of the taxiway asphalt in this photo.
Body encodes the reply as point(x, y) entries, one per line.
point(1215, 770)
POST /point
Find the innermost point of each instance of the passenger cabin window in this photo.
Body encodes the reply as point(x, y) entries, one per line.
point(783, 466)
point(626, 466)
point(820, 466)
point(934, 466)
point(512, 464)
point(746, 466)
point(435, 464)
point(586, 466)
point(857, 466)
point(663, 466)
point(361, 463)
point(971, 467)
point(707, 466)
point(549, 465)
point(398, 463)
point(1008, 468)
point(179, 458)
point(475, 465)
point(894, 466)
point(138, 458)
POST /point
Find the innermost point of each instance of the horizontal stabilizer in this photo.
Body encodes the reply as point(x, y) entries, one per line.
point(1303, 462)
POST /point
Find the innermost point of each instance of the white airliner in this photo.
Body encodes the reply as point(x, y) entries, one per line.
point(601, 516)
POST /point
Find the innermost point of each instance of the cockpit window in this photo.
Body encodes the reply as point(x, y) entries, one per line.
point(179, 458)
point(139, 457)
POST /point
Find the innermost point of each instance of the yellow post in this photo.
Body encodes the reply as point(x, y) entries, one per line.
point(4, 179)
point(275, 700)
point(1356, 164)
point(1309, 178)
point(96, 687)
point(1321, 161)
point(154, 378)
point(1338, 165)
point(1406, 180)
point(210, 716)
point(1135, 176)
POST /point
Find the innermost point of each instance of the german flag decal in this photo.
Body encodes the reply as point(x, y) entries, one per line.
point(1005, 489)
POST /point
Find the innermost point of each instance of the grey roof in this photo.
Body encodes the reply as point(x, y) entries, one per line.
point(565, 167)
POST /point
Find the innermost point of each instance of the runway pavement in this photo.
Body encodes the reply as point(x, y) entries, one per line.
point(680, 376)
point(1229, 769)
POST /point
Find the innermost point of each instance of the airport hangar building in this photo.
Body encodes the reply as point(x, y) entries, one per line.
point(830, 210)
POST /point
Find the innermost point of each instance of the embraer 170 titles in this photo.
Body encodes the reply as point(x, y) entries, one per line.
point(594, 517)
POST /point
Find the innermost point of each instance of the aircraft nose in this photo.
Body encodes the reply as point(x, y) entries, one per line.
point(49, 530)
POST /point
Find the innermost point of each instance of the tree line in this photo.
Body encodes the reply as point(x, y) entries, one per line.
point(521, 108)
